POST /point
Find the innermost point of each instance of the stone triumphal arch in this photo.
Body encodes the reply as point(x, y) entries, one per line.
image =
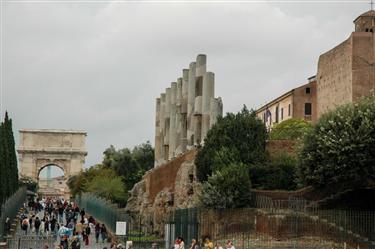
point(64, 149)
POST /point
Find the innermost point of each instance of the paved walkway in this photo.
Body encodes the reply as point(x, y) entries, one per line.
point(33, 241)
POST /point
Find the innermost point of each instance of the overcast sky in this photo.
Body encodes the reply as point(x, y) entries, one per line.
point(98, 67)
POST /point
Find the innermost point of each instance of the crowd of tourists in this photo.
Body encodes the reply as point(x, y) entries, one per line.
point(205, 244)
point(62, 220)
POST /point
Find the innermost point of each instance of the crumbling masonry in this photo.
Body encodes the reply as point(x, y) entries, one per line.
point(185, 112)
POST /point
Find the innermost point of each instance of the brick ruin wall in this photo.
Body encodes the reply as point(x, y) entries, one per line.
point(164, 176)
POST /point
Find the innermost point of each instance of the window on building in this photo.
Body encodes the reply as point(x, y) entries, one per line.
point(277, 114)
point(282, 113)
point(289, 110)
point(307, 109)
point(308, 90)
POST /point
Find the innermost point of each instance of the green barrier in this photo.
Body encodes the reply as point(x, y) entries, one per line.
point(101, 209)
point(11, 206)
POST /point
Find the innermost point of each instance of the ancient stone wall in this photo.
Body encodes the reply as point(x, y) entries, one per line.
point(164, 189)
point(334, 77)
point(363, 64)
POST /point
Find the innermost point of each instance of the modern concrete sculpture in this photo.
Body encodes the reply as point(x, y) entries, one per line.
point(185, 112)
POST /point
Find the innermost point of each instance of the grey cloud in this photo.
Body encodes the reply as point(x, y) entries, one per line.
point(99, 67)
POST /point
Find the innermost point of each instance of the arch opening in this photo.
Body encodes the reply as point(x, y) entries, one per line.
point(52, 181)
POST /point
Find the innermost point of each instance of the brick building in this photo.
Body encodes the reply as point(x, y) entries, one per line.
point(345, 74)
point(298, 103)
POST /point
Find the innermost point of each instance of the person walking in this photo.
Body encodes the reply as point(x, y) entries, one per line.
point(97, 232)
point(87, 234)
point(25, 225)
point(37, 225)
point(103, 232)
point(79, 230)
point(75, 243)
point(7, 226)
point(194, 244)
point(82, 213)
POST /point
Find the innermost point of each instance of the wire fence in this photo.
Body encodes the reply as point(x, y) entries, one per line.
point(30, 241)
point(10, 208)
point(101, 209)
point(282, 224)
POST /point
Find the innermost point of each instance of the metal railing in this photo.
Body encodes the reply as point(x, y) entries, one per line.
point(101, 209)
point(11, 206)
point(282, 224)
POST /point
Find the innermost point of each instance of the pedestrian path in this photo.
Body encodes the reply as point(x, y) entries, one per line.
point(33, 241)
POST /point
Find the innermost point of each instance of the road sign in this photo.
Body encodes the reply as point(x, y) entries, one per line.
point(120, 228)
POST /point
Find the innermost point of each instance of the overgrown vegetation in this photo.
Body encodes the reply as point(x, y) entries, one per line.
point(290, 129)
point(341, 147)
point(117, 174)
point(29, 183)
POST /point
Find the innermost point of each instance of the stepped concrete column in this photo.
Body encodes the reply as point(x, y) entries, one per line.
point(185, 84)
point(198, 120)
point(167, 121)
point(201, 65)
point(178, 116)
point(158, 143)
point(162, 127)
point(207, 94)
point(216, 110)
point(172, 121)
point(190, 105)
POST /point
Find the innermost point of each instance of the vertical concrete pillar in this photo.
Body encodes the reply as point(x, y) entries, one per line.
point(178, 117)
point(216, 110)
point(190, 104)
point(167, 121)
point(172, 126)
point(162, 128)
point(207, 94)
point(201, 65)
point(158, 143)
point(185, 84)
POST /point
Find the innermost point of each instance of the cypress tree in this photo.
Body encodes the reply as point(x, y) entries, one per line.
point(13, 157)
point(2, 164)
point(7, 164)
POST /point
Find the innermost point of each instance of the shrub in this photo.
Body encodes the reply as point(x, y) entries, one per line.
point(341, 147)
point(279, 173)
point(227, 188)
point(236, 138)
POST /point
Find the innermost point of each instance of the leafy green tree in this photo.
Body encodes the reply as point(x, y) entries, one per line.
point(290, 129)
point(227, 188)
point(341, 147)
point(109, 185)
point(130, 164)
point(240, 137)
